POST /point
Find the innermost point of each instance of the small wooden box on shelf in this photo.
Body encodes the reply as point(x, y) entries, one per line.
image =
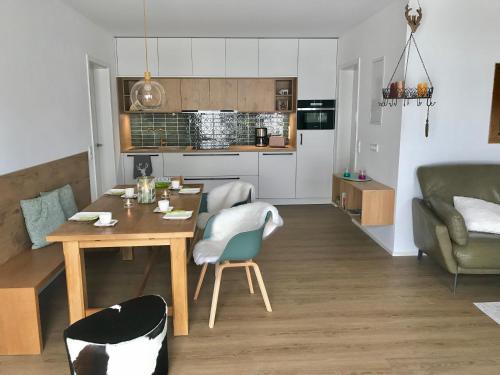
point(373, 200)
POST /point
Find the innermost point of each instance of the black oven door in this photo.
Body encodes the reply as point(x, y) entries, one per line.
point(315, 119)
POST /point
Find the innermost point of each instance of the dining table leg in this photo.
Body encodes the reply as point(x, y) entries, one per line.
point(179, 286)
point(76, 282)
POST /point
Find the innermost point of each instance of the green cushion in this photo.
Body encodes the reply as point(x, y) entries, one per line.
point(452, 219)
point(482, 251)
point(42, 216)
point(67, 200)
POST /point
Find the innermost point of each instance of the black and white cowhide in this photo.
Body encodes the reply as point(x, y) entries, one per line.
point(126, 339)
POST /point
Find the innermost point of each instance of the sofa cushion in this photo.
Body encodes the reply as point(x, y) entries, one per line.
point(452, 218)
point(67, 200)
point(480, 181)
point(42, 216)
point(479, 215)
point(482, 251)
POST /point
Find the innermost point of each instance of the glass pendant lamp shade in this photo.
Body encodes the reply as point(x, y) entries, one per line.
point(147, 94)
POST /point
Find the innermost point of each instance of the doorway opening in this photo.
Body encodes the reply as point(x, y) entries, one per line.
point(347, 142)
point(101, 149)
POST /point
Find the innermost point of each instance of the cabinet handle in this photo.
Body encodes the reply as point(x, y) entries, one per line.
point(131, 156)
point(214, 154)
point(301, 138)
point(212, 179)
point(277, 153)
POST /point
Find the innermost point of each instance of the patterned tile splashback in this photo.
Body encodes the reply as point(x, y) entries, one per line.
point(204, 129)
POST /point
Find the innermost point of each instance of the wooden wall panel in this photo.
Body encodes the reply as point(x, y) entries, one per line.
point(28, 183)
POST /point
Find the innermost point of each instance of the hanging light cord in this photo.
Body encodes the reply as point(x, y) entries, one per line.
point(146, 36)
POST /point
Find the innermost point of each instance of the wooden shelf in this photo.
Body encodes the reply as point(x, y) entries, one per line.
point(375, 200)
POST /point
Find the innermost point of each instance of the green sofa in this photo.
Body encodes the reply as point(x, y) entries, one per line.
point(439, 229)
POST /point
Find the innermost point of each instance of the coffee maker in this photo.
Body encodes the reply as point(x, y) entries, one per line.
point(261, 139)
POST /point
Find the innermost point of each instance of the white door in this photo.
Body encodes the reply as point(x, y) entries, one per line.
point(317, 69)
point(278, 57)
point(129, 166)
point(242, 57)
point(277, 175)
point(131, 59)
point(102, 149)
point(314, 163)
point(174, 57)
point(209, 57)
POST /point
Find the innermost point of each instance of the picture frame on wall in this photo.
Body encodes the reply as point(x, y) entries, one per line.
point(378, 68)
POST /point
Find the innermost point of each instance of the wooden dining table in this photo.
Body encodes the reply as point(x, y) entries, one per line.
point(137, 226)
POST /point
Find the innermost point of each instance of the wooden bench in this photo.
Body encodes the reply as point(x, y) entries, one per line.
point(24, 272)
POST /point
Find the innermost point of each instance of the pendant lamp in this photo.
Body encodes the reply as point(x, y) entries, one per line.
point(146, 94)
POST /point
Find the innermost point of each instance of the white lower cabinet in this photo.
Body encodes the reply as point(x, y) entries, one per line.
point(277, 175)
point(211, 164)
point(314, 163)
point(211, 182)
point(128, 166)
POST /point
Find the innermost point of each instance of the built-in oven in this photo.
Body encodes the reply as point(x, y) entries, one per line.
point(316, 114)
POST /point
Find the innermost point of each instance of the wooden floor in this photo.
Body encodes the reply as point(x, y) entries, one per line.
point(341, 305)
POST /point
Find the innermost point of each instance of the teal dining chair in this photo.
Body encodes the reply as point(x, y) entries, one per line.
point(239, 252)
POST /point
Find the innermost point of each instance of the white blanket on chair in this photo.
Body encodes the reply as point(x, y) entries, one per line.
point(232, 221)
point(225, 196)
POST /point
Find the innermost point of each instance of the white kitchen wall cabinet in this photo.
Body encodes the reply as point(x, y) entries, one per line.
point(317, 69)
point(314, 163)
point(174, 56)
point(128, 166)
point(209, 57)
point(242, 57)
point(130, 57)
point(278, 57)
point(277, 175)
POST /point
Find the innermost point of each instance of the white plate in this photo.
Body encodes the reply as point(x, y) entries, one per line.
point(132, 197)
point(85, 216)
point(179, 188)
point(157, 210)
point(189, 191)
point(112, 223)
point(115, 192)
point(173, 216)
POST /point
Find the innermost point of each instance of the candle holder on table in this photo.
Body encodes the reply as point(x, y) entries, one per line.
point(146, 191)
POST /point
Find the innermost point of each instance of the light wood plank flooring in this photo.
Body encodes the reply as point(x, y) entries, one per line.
point(341, 305)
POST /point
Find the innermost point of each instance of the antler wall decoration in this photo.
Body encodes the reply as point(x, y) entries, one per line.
point(413, 20)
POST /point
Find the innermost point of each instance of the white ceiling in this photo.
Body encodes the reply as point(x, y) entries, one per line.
point(230, 18)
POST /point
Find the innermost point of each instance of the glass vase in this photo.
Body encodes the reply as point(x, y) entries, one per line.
point(146, 191)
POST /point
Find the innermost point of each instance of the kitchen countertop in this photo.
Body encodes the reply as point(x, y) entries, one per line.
point(233, 148)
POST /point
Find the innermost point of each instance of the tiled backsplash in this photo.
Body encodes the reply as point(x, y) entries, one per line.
point(204, 129)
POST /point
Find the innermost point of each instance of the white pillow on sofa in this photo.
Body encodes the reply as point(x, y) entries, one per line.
point(479, 215)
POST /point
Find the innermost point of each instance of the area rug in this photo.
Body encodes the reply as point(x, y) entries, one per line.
point(492, 309)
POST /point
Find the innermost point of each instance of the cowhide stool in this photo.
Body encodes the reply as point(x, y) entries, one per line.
point(126, 339)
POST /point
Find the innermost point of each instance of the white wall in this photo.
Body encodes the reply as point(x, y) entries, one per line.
point(460, 43)
point(381, 35)
point(44, 107)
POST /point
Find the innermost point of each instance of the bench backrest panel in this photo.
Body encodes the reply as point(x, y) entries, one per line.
point(28, 183)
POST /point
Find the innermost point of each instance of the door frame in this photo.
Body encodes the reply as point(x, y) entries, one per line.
point(355, 67)
point(92, 64)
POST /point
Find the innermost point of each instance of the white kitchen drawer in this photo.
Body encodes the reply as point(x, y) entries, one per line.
point(277, 175)
point(128, 166)
point(211, 182)
point(211, 164)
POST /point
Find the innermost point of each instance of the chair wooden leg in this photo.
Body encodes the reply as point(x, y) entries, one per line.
point(262, 286)
point(200, 281)
point(215, 297)
point(249, 278)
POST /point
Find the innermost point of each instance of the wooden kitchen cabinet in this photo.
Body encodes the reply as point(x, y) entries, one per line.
point(223, 94)
point(195, 94)
point(172, 88)
point(256, 95)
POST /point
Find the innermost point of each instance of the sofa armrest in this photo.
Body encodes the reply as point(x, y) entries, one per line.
point(431, 236)
point(453, 220)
